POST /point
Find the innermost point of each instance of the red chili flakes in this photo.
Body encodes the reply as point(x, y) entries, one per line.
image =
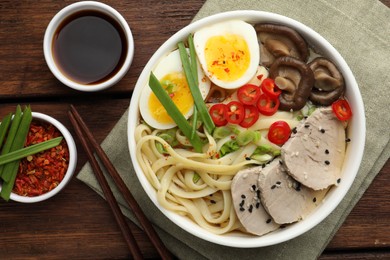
point(42, 172)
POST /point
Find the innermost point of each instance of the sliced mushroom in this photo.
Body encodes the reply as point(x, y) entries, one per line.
point(277, 41)
point(295, 79)
point(328, 82)
point(216, 94)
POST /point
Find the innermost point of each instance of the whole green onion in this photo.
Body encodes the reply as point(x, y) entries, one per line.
point(5, 123)
point(11, 134)
point(9, 169)
point(29, 150)
point(194, 86)
point(174, 112)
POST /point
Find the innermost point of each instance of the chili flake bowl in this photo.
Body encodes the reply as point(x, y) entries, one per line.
point(71, 163)
point(354, 152)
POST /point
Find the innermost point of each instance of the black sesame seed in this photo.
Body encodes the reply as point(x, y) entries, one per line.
point(294, 130)
point(242, 209)
point(307, 125)
point(322, 131)
point(250, 208)
point(314, 199)
point(348, 140)
point(243, 196)
point(273, 187)
point(327, 162)
point(298, 187)
point(278, 182)
point(258, 193)
point(247, 158)
point(253, 187)
point(213, 202)
point(338, 180)
point(326, 151)
point(242, 203)
point(283, 226)
point(268, 221)
point(257, 205)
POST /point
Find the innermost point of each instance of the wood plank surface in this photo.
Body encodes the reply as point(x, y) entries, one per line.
point(77, 223)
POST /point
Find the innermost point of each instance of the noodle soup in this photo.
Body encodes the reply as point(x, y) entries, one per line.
point(193, 187)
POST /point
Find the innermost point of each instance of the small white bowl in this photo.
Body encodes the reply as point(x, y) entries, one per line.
point(71, 166)
point(65, 13)
point(356, 132)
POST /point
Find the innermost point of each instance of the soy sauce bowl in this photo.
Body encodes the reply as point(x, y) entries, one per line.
point(71, 163)
point(88, 46)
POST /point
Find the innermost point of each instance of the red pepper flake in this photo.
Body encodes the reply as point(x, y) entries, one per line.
point(227, 70)
point(42, 172)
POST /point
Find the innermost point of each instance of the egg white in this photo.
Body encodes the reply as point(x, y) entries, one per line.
point(169, 64)
point(235, 27)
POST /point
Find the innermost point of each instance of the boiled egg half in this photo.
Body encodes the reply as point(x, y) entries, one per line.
point(170, 73)
point(228, 52)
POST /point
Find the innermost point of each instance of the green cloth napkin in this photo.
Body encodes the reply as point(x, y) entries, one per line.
point(360, 31)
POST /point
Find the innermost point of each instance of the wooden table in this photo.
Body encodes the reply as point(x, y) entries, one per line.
point(77, 223)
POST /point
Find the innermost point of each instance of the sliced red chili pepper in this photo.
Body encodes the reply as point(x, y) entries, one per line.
point(268, 105)
point(248, 94)
point(235, 112)
point(279, 132)
point(269, 87)
point(342, 110)
point(251, 116)
point(217, 113)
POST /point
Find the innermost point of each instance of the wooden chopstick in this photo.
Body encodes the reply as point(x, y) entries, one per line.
point(78, 123)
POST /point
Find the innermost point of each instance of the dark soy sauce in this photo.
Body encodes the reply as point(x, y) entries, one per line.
point(89, 47)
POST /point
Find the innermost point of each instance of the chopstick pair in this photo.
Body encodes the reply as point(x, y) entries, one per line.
point(87, 140)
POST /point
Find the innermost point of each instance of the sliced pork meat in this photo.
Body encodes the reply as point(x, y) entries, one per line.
point(285, 199)
point(315, 152)
point(247, 203)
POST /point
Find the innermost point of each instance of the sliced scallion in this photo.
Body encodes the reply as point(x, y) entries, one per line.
point(174, 112)
point(196, 177)
point(245, 137)
point(221, 132)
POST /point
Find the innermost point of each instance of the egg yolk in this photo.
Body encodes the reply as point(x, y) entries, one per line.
point(177, 88)
point(227, 56)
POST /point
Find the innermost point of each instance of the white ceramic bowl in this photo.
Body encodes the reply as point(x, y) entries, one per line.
point(71, 167)
point(356, 131)
point(61, 16)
